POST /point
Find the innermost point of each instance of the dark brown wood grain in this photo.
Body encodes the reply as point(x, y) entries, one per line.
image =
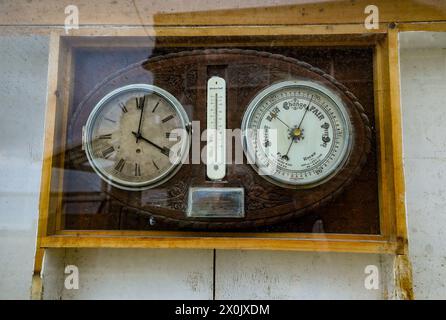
point(91, 204)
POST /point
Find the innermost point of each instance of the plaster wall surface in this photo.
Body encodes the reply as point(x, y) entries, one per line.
point(423, 92)
point(23, 78)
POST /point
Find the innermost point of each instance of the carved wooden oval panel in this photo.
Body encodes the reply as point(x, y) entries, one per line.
point(185, 75)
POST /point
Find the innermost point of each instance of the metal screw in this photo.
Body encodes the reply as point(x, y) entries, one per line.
point(392, 25)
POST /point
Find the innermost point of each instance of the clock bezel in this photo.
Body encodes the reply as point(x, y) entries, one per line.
point(336, 100)
point(148, 184)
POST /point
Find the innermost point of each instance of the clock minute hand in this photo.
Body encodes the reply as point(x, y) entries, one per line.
point(141, 106)
point(164, 150)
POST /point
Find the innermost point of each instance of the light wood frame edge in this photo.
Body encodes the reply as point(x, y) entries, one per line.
point(422, 26)
point(313, 245)
point(50, 118)
point(402, 264)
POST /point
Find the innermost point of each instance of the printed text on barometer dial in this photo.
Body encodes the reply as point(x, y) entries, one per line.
point(303, 134)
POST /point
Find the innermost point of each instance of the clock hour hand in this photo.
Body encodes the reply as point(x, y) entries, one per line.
point(164, 150)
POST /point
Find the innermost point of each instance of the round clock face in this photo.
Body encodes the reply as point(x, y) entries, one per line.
point(297, 134)
point(136, 137)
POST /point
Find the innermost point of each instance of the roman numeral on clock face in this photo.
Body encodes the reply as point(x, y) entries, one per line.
point(167, 118)
point(107, 152)
point(105, 136)
point(140, 102)
point(156, 106)
point(120, 165)
point(165, 151)
point(172, 135)
point(137, 170)
point(123, 107)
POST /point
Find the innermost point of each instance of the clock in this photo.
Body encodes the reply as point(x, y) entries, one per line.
point(136, 137)
point(297, 134)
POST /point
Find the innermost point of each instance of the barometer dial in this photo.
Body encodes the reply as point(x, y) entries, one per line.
point(136, 137)
point(297, 133)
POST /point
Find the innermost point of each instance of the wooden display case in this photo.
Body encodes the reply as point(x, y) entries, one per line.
point(388, 235)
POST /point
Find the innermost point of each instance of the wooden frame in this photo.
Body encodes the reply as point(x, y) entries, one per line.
point(393, 237)
point(137, 13)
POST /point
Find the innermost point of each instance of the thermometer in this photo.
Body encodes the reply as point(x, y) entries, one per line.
point(216, 125)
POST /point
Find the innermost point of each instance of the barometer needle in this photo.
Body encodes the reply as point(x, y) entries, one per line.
point(163, 150)
point(286, 154)
point(308, 106)
point(283, 122)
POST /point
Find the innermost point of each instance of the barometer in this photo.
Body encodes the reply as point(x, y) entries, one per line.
point(297, 133)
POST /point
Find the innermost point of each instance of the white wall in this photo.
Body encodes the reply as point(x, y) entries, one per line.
point(188, 274)
point(131, 274)
point(23, 73)
point(423, 73)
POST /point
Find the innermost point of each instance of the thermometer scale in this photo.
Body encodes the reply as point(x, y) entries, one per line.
point(216, 128)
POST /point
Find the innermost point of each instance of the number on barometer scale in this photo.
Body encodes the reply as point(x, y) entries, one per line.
point(216, 125)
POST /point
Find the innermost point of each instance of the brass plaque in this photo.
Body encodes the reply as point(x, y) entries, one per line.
point(216, 203)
